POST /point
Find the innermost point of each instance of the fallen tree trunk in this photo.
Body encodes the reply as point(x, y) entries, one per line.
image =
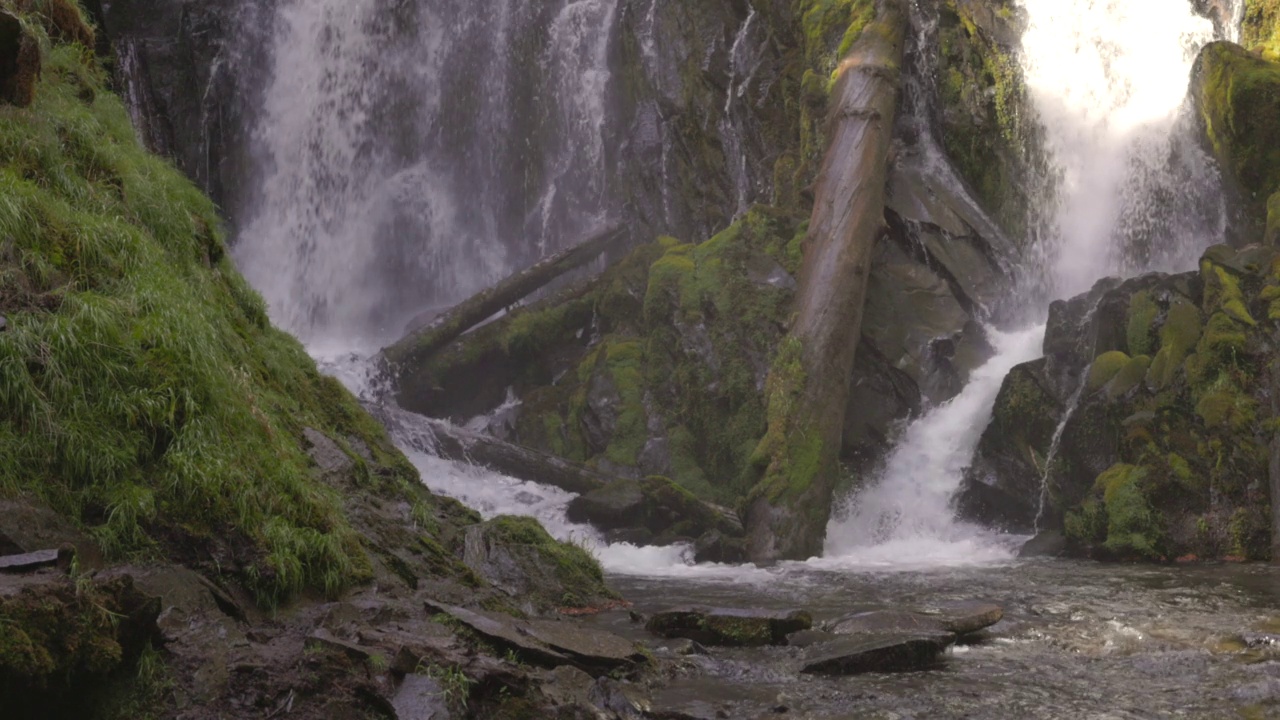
point(455, 443)
point(423, 343)
point(808, 386)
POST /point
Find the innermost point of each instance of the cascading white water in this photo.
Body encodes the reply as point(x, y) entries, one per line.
point(904, 516)
point(410, 154)
point(1108, 78)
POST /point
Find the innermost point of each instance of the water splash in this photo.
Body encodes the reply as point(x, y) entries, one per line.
point(904, 515)
point(1108, 78)
point(410, 154)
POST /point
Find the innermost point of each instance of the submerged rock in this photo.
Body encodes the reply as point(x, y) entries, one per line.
point(1051, 543)
point(729, 628)
point(902, 652)
point(962, 618)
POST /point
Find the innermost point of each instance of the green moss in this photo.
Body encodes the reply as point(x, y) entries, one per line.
point(1133, 528)
point(1222, 292)
point(1128, 377)
point(1104, 368)
point(1179, 334)
point(985, 111)
point(1142, 323)
point(1260, 29)
point(830, 28)
point(1238, 97)
point(575, 568)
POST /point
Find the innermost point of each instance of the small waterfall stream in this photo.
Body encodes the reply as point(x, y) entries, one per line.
point(1133, 193)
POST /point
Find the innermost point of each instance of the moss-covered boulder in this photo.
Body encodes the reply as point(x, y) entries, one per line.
point(537, 572)
point(1166, 449)
point(63, 643)
point(654, 510)
point(1237, 96)
point(1260, 29)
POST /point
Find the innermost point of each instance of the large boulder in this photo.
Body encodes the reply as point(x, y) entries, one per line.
point(539, 574)
point(1165, 390)
point(654, 506)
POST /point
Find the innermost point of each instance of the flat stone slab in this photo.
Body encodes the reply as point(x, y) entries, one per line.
point(885, 621)
point(884, 653)
point(583, 643)
point(28, 562)
point(963, 618)
point(503, 630)
point(549, 643)
point(729, 627)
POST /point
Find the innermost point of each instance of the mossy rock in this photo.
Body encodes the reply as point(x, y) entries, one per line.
point(1128, 378)
point(1260, 29)
point(1117, 519)
point(1141, 330)
point(1237, 95)
point(1105, 367)
point(540, 573)
point(1179, 335)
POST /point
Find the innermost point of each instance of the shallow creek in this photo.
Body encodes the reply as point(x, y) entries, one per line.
point(1079, 640)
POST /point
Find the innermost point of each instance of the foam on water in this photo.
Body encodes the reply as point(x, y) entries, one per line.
point(903, 517)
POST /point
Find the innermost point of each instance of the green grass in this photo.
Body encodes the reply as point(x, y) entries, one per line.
point(142, 390)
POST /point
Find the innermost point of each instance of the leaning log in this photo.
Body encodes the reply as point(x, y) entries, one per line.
point(462, 445)
point(808, 385)
point(454, 323)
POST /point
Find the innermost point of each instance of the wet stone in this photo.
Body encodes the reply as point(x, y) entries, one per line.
point(808, 638)
point(902, 652)
point(885, 621)
point(729, 627)
point(963, 618)
point(586, 645)
point(504, 631)
point(420, 698)
point(28, 562)
point(1047, 544)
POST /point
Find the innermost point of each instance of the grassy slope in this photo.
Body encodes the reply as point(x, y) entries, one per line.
point(142, 390)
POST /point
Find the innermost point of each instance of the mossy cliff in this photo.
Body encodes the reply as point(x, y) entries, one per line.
point(1260, 30)
point(987, 124)
point(150, 413)
point(1167, 452)
point(1237, 96)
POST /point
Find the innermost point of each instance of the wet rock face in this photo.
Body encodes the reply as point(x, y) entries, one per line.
point(1237, 97)
point(190, 72)
point(19, 62)
point(1166, 384)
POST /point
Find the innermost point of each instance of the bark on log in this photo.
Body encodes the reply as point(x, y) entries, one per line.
point(420, 345)
point(455, 443)
point(808, 386)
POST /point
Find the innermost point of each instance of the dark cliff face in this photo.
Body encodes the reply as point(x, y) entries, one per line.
point(190, 73)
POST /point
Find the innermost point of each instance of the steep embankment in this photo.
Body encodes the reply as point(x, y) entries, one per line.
point(153, 422)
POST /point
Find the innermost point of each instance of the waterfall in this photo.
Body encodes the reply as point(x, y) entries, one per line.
point(1132, 193)
point(905, 514)
point(411, 153)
